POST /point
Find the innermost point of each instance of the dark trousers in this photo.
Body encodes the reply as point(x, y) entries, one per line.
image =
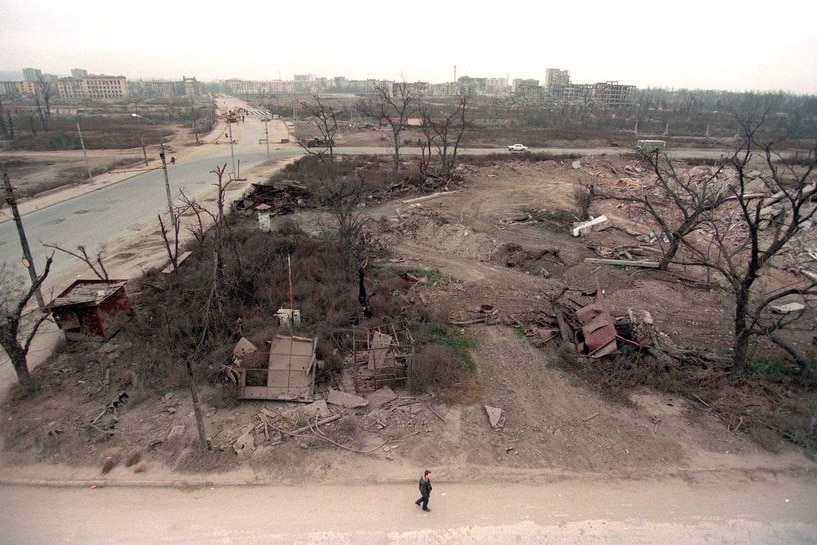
point(423, 501)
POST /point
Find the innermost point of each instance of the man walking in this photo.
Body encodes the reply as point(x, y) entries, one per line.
point(425, 490)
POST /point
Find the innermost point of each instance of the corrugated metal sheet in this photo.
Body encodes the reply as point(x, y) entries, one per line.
point(598, 329)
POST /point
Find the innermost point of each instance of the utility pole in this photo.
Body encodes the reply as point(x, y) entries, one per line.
point(141, 137)
point(167, 186)
point(266, 134)
point(195, 124)
point(28, 261)
point(164, 169)
point(232, 153)
point(84, 153)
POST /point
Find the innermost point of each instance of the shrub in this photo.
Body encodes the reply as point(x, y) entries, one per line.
point(434, 367)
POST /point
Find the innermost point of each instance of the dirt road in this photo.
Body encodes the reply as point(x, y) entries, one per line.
point(562, 512)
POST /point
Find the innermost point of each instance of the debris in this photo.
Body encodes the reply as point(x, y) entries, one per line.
point(624, 262)
point(517, 218)
point(428, 197)
point(245, 443)
point(787, 308)
point(315, 409)
point(381, 396)
point(546, 334)
point(176, 431)
point(377, 363)
point(243, 347)
point(598, 333)
point(304, 429)
point(591, 417)
point(595, 224)
point(342, 399)
point(179, 260)
point(287, 316)
point(113, 406)
point(494, 416)
point(413, 279)
point(576, 165)
point(811, 275)
point(290, 372)
point(435, 413)
point(379, 347)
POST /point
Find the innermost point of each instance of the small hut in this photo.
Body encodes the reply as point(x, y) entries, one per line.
point(91, 309)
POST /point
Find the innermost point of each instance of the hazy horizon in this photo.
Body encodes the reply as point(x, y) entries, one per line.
point(700, 45)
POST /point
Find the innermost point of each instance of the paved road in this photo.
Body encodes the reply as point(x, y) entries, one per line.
point(108, 213)
point(124, 211)
point(777, 511)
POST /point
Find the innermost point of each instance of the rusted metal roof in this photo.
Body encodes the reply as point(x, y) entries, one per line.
point(87, 292)
point(598, 334)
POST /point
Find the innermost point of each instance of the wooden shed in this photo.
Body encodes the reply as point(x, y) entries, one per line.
point(91, 309)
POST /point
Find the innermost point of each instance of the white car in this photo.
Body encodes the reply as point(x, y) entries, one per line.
point(518, 147)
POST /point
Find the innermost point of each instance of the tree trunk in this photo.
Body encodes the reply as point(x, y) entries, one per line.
point(17, 355)
point(206, 444)
point(742, 334)
point(803, 363)
point(396, 155)
point(669, 255)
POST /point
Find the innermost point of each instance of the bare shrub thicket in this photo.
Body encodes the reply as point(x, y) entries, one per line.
point(256, 283)
point(434, 366)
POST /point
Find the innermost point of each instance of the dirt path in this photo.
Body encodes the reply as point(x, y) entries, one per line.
point(560, 513)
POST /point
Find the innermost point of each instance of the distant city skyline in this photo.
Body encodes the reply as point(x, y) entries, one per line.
point(697, 45)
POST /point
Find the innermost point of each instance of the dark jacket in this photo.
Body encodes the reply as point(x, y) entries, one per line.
point(425, 486)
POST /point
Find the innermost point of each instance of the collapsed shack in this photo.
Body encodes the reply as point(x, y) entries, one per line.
point(590, 329)
point(289, 375)
point(91, 309)
point(382, 355)
point(593, 331)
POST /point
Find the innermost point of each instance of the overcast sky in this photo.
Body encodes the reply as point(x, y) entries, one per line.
point(692, 44)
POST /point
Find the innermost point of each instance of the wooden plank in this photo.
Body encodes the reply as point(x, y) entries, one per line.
point(179, 261)
point(624, 262)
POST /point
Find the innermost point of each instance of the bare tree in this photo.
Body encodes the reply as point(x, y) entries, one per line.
point(220, 224)
point(392, 104)
point(751, 237)
point(201, 227)
point(214, 298)
point(95, 263)
point(13, 302)
point(323, 117)
point(343, 198)
point(678, 201)
point(444, 131)
point(171, 245)
point(745, 237)
point(43, 93)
